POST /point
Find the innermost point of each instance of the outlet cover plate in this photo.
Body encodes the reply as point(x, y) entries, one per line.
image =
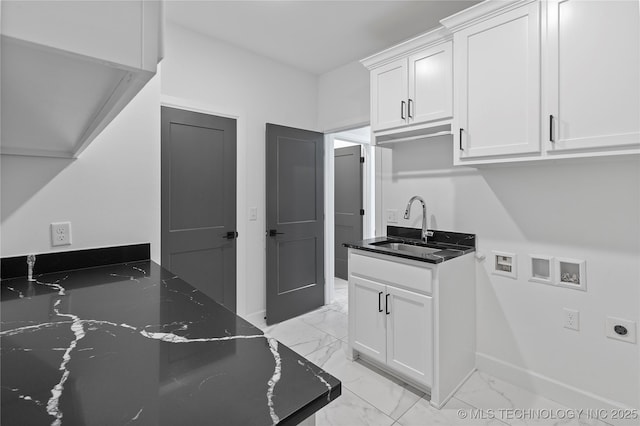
point(571, 319)
point(630, 327)
point(61, 233)
point(392, 216)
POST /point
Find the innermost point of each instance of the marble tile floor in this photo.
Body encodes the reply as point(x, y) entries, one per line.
point(372, 397)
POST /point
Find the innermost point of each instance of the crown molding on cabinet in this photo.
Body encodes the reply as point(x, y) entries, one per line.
point(408, 47)
point(480, 12)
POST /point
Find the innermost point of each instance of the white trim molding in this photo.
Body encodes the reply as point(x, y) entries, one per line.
point(553, 389)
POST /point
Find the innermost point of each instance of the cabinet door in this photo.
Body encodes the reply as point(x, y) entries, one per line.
point(410, 334)
point(367, 314)
point(497, 85)
point(431, 84)
point(593, 83)
point(389, 95)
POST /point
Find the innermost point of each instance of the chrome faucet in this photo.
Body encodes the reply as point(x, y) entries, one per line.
point(407, 214)
point(31, 260)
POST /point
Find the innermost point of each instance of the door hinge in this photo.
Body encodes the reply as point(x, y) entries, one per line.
point(361, 212)
point(362, 159)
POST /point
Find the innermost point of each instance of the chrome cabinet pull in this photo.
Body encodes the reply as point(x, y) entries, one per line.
point(409, 108)
point(402, 106)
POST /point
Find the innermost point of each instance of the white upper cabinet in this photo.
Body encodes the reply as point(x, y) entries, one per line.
point(592, 78)
point(497, 68)
point(546, 79)
point(412, 88)
point(389, 96)
point(69, 67)
point(431, 84)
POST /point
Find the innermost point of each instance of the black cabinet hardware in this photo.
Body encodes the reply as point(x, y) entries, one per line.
point(551, 129)
point(379, 302)
point(460, 139)
point(386, 304)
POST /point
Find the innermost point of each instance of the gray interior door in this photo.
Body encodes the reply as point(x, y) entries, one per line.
point(347, 203)
point(295, 222)
point(198, 224)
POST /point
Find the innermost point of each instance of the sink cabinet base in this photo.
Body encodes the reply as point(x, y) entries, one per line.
point(430, 341)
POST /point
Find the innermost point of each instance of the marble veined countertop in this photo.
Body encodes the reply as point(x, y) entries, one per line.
point(133, 344)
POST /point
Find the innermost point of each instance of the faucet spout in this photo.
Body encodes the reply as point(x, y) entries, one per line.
point(407, 215)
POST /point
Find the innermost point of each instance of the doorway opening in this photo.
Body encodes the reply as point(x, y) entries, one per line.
point(349, 199)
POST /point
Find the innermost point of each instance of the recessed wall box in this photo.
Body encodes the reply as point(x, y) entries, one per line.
point(505, 264)
point(571, 273)
point(541, 269)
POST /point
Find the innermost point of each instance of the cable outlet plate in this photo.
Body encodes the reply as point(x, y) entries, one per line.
point(61, 233)
point(621, 329)
point(571, 319)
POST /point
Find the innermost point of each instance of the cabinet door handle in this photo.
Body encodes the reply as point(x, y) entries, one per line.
point(551, 129)
point(402, 106)
point(409, 108)
point(460, 139)
point(379, 302)
point(386, 304)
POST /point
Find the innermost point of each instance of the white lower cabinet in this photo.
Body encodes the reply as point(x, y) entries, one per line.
point(393, 326)
point(409, 334)
point(414, 319)
point(367, 318)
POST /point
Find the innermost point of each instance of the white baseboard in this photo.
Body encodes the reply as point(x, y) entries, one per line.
point(446, 399)
point(545, 386)
point(256, 317)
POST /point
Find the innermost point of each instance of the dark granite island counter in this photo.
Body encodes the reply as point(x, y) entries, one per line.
point(133, 344)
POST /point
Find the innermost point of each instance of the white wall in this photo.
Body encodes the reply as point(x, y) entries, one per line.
point(224, 79)
point(343, 98)
point(110, 194)
point(586, 209)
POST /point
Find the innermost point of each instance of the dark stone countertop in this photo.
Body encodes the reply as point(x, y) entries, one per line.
point(134, 344)
point(451, 244)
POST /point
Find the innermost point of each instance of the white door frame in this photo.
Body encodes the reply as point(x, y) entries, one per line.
point(368, 202)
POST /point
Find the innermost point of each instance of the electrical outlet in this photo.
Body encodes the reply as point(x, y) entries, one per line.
point(621, 329)
point(392, 216)
point(61, 233)
point(571, 319)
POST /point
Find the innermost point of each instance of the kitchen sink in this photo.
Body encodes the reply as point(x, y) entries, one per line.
point(410, 248)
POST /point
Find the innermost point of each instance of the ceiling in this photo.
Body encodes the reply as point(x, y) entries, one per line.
point(315, 36)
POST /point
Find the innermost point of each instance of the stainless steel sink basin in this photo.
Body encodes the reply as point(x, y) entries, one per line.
point(410, 248)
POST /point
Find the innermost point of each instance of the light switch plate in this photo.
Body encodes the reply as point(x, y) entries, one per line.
point(253, 213)
point(392, 216)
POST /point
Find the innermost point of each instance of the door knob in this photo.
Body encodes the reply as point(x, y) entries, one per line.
point(231, 235)
point(274, 232)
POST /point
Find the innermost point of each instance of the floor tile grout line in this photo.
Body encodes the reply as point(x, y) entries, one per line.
point(370, 404)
